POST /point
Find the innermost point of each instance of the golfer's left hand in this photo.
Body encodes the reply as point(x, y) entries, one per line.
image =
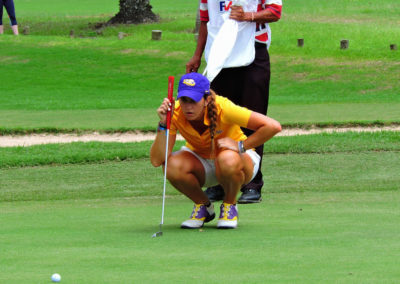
point(164, 108)
point(228, 143)
point(238, 14)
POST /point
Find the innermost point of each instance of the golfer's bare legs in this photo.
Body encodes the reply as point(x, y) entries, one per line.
point(186, 173)
point(233, 170)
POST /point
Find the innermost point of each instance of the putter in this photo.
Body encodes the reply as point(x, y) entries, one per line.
point(169, 114)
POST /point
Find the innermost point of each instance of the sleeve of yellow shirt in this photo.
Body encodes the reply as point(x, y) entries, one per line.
point(233, 114)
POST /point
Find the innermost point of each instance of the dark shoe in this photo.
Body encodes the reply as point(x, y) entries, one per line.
point(250, 196)
point(215, 193)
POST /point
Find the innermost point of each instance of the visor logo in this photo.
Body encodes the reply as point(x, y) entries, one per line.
point(189, 82)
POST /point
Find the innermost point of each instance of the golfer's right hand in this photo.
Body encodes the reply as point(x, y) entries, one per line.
point(193, 65)
point(164, 108)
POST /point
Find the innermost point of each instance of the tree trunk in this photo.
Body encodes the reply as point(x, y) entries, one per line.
point(134, 12)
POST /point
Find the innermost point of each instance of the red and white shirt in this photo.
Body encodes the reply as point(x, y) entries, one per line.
point(211, 11)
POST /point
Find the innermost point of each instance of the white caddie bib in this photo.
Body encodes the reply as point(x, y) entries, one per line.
point(229, 43)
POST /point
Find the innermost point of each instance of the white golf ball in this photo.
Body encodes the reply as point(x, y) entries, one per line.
point(56, 277)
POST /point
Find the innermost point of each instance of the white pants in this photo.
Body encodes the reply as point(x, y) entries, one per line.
point(209, 166)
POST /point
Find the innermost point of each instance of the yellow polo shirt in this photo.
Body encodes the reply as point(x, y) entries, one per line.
point(230, 118)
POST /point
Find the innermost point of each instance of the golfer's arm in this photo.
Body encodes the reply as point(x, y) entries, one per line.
point(157, 150)
point(265, 128)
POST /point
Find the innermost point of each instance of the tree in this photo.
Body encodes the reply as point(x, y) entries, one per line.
point(134, 12)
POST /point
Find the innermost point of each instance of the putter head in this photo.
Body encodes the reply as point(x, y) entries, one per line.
point(158, 234)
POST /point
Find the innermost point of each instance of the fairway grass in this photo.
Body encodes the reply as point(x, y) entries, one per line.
point(310, 237)
point(330, 214)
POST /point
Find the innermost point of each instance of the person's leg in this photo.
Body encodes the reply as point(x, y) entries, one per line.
point(230, 175)
point(229, 84)
point(15, 29)
point(255, 97)
point(9, 4)
point(187, 174)
point(232, 171)
point(1, 17)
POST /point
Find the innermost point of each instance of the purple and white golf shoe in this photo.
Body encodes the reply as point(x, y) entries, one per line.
point(201, 214)
point(228, 218)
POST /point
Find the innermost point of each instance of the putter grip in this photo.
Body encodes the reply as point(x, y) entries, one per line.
point(170, 98)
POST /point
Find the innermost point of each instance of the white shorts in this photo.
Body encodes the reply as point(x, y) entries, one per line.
point(209, 166)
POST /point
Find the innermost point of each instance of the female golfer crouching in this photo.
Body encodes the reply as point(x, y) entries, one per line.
point(216, 151)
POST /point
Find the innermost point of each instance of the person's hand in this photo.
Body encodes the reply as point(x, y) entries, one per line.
point(228, 143)
point(193, 64)
point(164, 108)
point(238, 14)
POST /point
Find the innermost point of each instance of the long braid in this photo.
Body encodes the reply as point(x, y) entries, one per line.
point(212, 116)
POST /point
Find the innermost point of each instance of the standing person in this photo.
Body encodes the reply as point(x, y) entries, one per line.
point(9, 5)
point(216, 151)
point(247, 86)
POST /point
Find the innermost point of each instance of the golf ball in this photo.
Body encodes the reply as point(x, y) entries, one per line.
point(56, 277)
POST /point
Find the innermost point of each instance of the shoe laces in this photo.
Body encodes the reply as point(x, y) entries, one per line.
point(225, 210)
point(196, 210)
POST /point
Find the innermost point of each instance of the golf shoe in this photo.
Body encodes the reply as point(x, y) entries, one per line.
point(201, 214)
point(228, 217)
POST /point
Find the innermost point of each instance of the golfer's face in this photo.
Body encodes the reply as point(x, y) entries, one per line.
point(191, 109)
